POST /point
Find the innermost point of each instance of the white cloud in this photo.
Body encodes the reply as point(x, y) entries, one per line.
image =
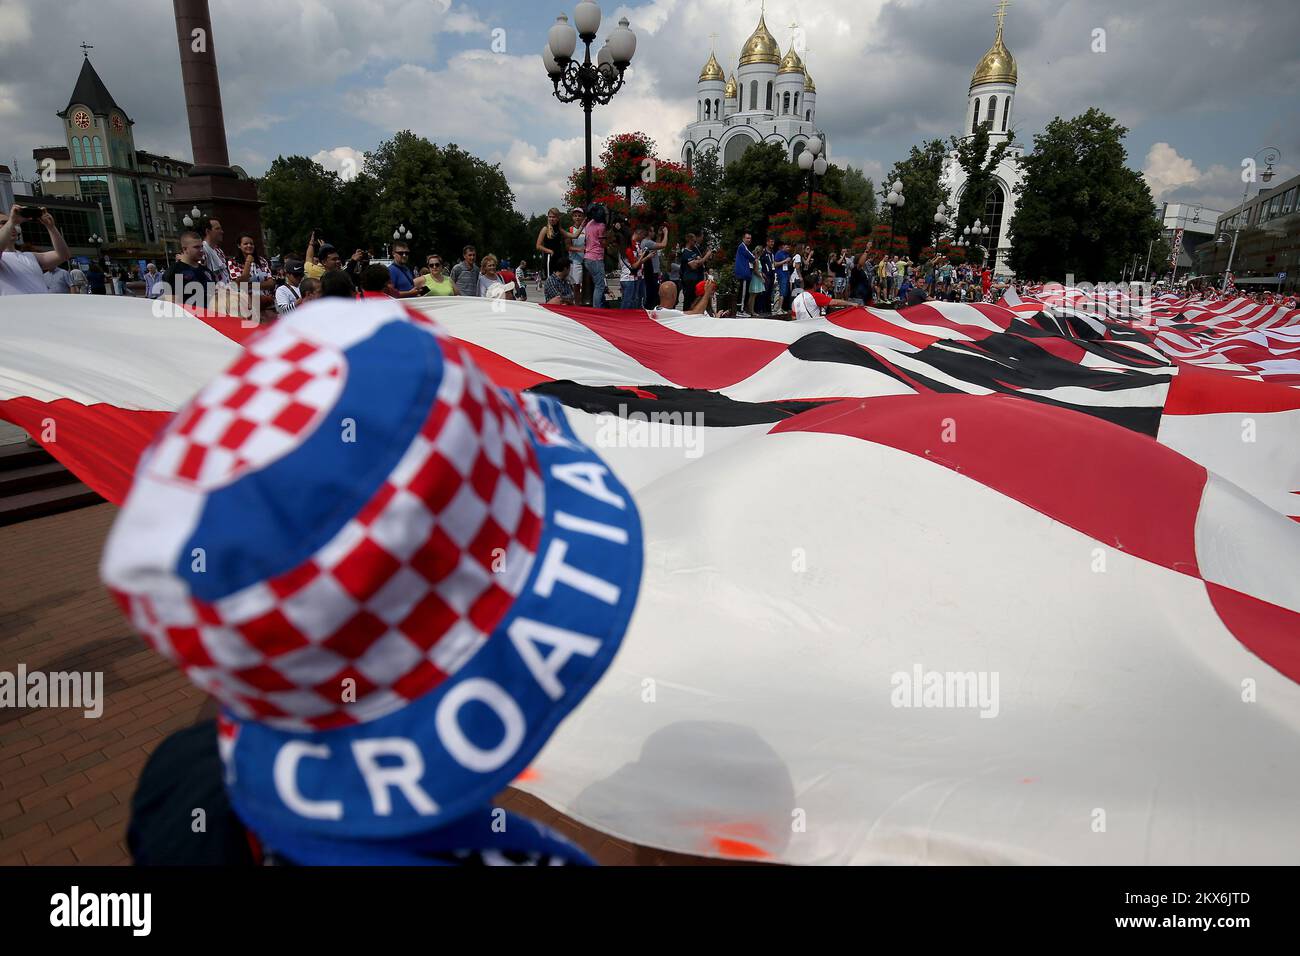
point(344, 160)
point(1165, 170)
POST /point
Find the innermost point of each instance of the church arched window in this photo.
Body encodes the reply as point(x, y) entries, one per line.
point(717, 109)
point(99, 152)
point(785, 103)
point(993, 111)
point(769, 96)
point(699, 110)
point(975, 119)
point(796, 104)
point(808, 117)
point(689, 156)
point(76, 152)
point(753, 94)
point(708, 109)
point(1006, 112)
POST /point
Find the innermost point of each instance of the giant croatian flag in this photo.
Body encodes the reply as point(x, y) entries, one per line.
point(991, 583)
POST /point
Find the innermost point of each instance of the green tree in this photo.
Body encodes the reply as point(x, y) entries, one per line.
point(922, 193)
point(1080, 210)
point(757, 186)
point(702, 214)
point(300, 196)
point(851, 190)
point(978, 161)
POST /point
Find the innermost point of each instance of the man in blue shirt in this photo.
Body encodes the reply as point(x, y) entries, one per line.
point(400, 273)
point(744, 272)
point(782, 261)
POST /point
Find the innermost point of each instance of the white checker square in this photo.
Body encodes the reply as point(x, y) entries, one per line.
point(457, 441)
point(389, 658)
point(457, 646)
point(403, 526)
point(464, 515)
point(398, 597)
point(320, 608)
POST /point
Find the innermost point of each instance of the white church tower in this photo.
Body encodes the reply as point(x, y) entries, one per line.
point(769, 98)
point(990, 101)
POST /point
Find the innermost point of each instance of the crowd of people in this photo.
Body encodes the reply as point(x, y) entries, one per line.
point(578, 255)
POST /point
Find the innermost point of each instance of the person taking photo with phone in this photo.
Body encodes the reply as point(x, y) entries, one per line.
point(23, 273)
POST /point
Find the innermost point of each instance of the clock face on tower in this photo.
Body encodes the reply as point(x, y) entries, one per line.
point(82, 119)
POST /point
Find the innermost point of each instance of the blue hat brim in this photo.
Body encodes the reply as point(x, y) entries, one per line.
point(460, 744)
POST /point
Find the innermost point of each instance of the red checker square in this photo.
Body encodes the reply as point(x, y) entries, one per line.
point(366, 569)
point(332, 688)
point(206, 612)
point(420, 680)
point(490, 538)
point(188, 648)
point(436, 483)
point(272, 634)
point(376, 505)
point(486, 612)
point(438, 558)
point(192, 463)
point(530, 528)
point(240, 396)
point(299, 352)
point(243, 365)
point(291, 582)
point(265, 678)
point(356, 635)
point(188, 419)
point(437, 418)
point(237, 433)
point(293, 381)
point(295, 417)
point(429, 621)
point(483, 477)
point(473, 410)
point(514, 466)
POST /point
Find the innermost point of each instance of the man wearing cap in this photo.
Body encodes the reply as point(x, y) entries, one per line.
point(289, 295)
point(396, 586)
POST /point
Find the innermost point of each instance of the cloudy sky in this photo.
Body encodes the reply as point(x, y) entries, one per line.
point(1200, 83)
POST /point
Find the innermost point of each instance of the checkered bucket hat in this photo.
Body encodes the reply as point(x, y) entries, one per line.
point(395, 577)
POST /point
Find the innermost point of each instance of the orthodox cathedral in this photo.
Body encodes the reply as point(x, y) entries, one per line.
point(769, 98)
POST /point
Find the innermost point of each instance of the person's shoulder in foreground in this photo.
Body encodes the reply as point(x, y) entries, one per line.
point(379, 683)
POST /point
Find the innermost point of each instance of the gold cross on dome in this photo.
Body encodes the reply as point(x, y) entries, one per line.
point(713, 41)
point(1002, 12)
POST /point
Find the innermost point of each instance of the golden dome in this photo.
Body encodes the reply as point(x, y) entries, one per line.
point(761, 47)
point(712, 71)
point(808, 85)
point(791, 62)
point(730, 92)
point(997, 66)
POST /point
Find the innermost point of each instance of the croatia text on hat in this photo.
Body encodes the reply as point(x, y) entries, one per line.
point(396, 763)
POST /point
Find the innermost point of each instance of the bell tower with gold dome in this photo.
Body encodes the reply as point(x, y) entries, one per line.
point(993, 87)
point(991, 100)
point(768, 98)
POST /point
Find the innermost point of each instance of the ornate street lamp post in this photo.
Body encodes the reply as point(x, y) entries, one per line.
point(586, 82)
point(896, 200)
point(1271, 155)
point(814, 164)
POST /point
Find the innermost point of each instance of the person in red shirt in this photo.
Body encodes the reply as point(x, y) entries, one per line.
point(986, 281)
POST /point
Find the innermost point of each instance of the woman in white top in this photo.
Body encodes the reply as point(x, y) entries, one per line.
point(576, 238)
point(489, 277)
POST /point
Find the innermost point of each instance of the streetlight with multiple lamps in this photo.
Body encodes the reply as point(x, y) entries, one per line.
point(977, 231)
point(1271, 155)
point(193, 217)
point(942, 220)
point(896, 201)
point(585, 82)
point(814, 164)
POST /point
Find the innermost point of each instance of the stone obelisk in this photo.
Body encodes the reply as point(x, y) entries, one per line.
point(211, 184)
